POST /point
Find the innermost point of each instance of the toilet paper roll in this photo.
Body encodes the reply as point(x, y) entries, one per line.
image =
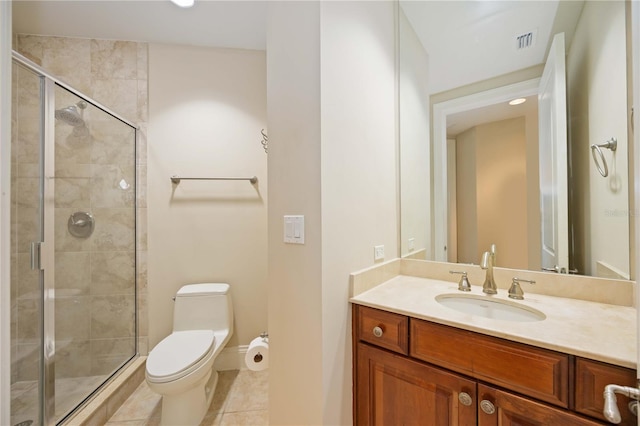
point(257, 357)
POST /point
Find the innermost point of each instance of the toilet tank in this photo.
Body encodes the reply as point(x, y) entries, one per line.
point(204, 306)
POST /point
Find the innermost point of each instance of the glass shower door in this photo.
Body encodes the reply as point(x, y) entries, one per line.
point(94, 255)
point(26, 231)
point(73, 246)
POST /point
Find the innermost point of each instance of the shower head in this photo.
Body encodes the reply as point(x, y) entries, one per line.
point(72, 115)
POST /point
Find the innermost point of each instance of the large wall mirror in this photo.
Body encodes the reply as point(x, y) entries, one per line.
point(540, 179)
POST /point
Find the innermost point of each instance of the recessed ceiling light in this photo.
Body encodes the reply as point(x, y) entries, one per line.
point(183, 3)
point(517, 101)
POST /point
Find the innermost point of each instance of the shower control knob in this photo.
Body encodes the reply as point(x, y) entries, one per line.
point(377, 331)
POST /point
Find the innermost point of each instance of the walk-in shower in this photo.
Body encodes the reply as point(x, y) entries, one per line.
point(73, 246)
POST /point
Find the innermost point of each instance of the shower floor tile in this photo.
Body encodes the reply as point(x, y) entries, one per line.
point(24, 402)
point(69, 392)
point(144, 407)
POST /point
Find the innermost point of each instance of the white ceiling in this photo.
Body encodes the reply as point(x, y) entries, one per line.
point(234, 24)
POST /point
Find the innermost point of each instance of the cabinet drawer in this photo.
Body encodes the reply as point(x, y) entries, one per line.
point(591, 378)
point(394, 329)
point(532, 371)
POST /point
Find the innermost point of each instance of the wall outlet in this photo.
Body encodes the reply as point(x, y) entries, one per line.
point(412, 244)
point(378, 252)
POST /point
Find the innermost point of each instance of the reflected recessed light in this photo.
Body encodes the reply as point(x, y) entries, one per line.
point(517, 101)
point(183, 3)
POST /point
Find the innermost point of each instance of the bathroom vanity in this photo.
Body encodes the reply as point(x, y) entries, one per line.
point(417, 362)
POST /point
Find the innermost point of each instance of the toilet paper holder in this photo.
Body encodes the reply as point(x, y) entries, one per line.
point(258, 357)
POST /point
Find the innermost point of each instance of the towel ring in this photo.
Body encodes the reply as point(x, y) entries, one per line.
point(596, 151)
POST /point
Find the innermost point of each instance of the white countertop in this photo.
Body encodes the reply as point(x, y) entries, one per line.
point(591, 330)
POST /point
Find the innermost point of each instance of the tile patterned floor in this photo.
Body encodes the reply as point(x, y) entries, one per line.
point(241, 398)
point(69, 393)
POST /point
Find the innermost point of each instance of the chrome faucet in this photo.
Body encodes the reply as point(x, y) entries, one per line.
point(488, 262)
point(464, 284)
point(515, 291)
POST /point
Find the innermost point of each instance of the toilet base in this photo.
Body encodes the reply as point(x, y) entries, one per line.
point(190, 407)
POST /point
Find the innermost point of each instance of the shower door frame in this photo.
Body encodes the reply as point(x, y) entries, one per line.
point(44, 252)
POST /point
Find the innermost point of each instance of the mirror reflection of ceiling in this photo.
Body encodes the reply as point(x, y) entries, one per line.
point(462, 121)
point(482, 35)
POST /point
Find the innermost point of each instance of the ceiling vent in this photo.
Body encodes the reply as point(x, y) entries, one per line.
point(526, 40)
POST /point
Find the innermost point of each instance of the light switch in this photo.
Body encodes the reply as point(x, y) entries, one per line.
point(288, 228)
point(294, 229)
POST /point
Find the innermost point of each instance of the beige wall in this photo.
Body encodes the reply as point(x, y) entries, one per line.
point(295, 271)
point(466, 198)
point(335, 162)
point(359, 156)
point(502, 191)
point(492, 192)
point(534, 243)
point(415, 156)
point(206, 110)
point(596, 81)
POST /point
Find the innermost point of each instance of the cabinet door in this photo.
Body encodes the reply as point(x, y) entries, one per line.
point(591, 378)
point(513, 410)
point(394, 390)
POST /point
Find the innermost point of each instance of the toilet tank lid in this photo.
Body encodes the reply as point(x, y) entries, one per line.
point(203, 289)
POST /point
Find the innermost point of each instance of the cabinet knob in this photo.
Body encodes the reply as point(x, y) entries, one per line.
point(465, 399)
point(377, 331)
point(487, 406)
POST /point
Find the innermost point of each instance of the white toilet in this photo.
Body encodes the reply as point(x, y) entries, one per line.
point(180, 367)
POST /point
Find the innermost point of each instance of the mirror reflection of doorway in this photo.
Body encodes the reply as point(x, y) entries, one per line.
point(490, 182)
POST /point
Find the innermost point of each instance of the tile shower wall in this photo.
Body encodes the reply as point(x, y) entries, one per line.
point(114, 73)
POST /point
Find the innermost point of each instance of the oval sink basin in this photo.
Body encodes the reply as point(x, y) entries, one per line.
point(484, 306)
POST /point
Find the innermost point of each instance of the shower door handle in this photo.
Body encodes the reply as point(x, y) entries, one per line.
point(36, 255)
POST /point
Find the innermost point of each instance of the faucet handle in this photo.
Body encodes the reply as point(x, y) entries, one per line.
point(464, 284)
point(515, 291)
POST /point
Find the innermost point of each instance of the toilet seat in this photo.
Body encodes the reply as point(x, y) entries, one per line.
point(179, 354)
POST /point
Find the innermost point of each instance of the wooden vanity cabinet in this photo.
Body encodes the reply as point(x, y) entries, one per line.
point(443, 368)
point(395, 390)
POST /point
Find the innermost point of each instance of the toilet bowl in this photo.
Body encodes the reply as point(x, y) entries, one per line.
point(180, 367)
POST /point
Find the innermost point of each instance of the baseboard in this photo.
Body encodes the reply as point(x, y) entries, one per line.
point(231, 358)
